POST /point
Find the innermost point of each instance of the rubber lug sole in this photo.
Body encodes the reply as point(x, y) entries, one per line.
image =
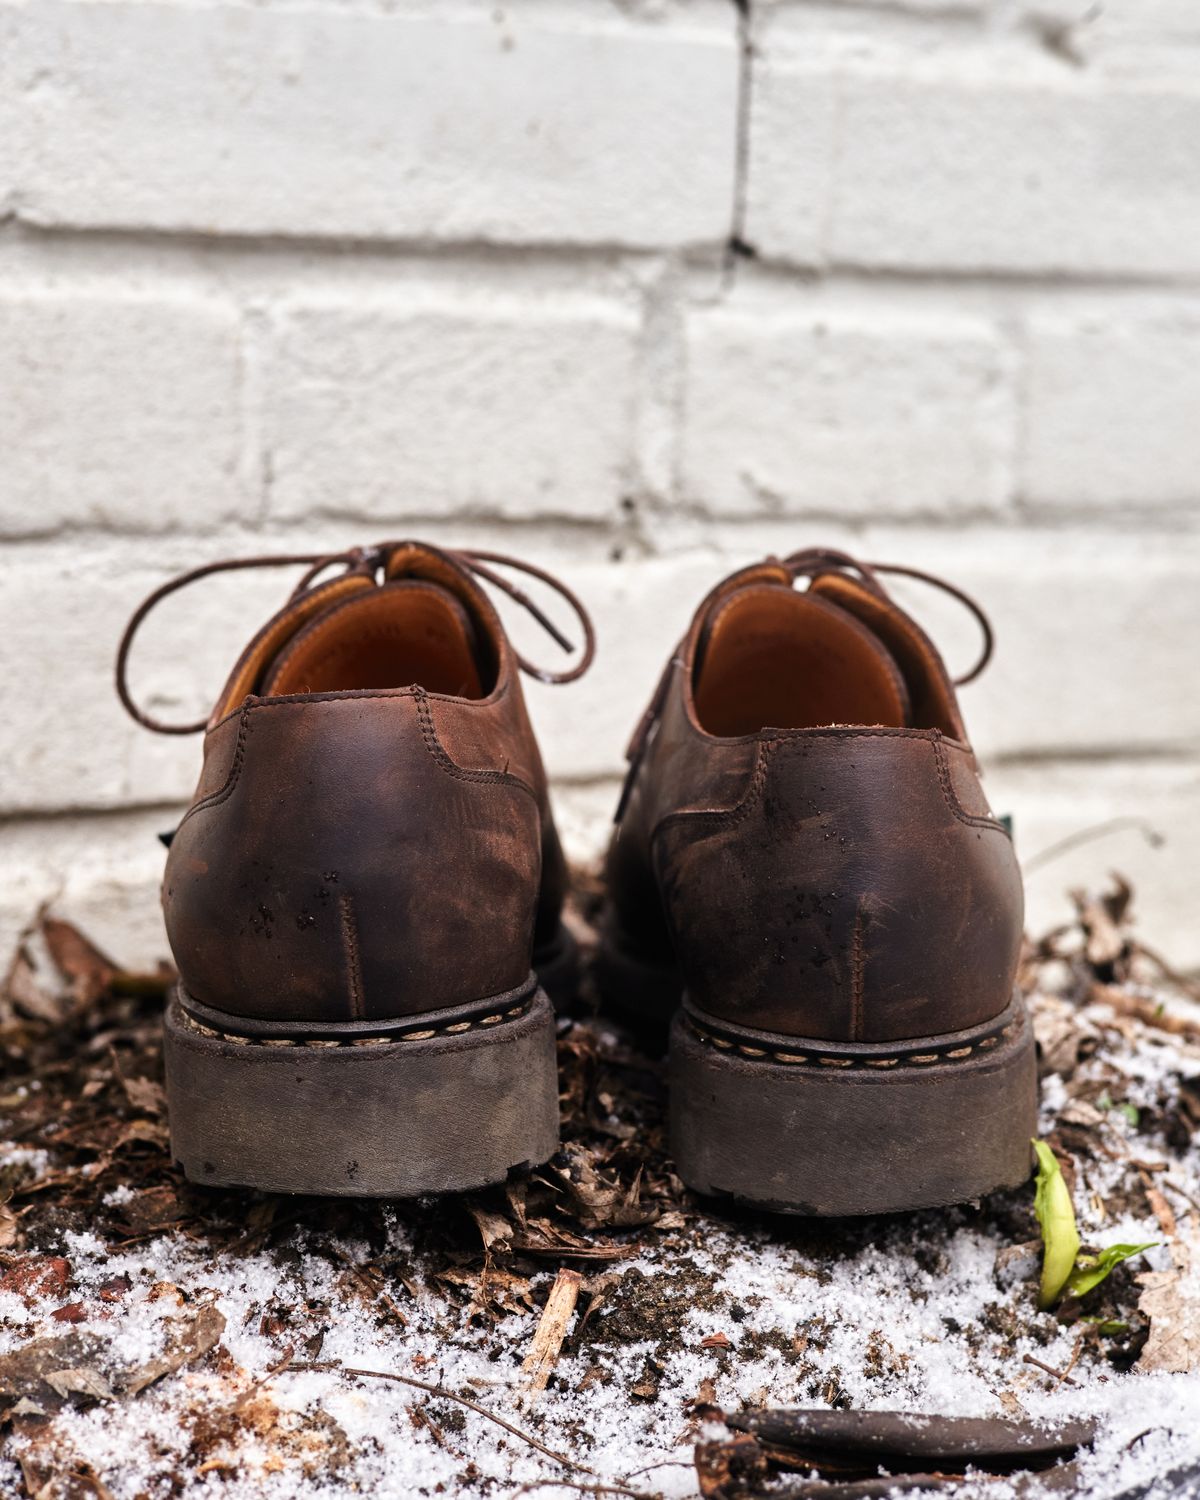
point(850, 1133)
point(385, 1118)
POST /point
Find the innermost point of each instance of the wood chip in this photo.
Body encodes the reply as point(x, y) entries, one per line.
point(551, 1330)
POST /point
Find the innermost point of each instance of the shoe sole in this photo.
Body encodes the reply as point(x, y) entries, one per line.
point(430, 1104)
point(826, 1129)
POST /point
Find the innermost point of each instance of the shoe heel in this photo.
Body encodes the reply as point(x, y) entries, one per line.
point(424, 1110)
point(821, 1128)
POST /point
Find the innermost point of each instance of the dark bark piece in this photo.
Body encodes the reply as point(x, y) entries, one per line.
point(908, 1440)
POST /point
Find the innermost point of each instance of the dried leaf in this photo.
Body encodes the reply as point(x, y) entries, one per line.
point(1171, 1300)
point(26, 1373)
point(80, 1381)
point(37, 1276)
point(192, 1338)
point(1056, 1216)
point(9, 1225)
point(78, 960)
point(27, 995)
point(146, 1095)
point(494, 1229)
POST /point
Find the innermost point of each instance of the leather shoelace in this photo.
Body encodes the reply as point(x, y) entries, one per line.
point(366, 561)
point(812, 562)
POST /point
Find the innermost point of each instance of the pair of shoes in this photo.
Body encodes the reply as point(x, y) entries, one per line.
point(364, 899)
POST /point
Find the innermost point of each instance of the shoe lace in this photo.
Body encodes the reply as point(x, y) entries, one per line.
point(366, 561)
point(813, 562)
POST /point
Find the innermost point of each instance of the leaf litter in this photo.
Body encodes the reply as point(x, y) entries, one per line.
point(588, 1327)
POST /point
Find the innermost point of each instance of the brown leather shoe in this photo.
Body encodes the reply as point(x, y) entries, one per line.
point(807, 874)
point(354, 894)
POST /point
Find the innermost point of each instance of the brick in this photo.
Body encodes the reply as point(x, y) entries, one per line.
point(792, 159)
point(790, 408)
point(13, 117)
point(517, 125)
point(505, 407)
point(65, 742)
point(1095, 632)
point(119, 411)
point(641, 609)
point(102, 873)
point(1111, 404)
point(953, 164)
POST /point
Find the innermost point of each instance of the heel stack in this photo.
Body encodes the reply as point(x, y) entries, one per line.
point(820, 1128)
point(412, 1111)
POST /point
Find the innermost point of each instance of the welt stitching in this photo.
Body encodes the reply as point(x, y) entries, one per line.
point(943, 1055)
point(231, 779)
point(353, 958)
point(951, 796)
point(438, 752)
point(457, 1028)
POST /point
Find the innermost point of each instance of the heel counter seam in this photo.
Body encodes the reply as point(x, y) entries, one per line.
point(226, 789)
point(437, 751)
point(946, 782)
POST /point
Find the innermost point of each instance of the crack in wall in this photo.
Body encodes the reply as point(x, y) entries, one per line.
point(736, 246)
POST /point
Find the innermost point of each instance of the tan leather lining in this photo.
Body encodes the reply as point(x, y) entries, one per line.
point(276, 633)
point(934, 705)
point(403, 633)
point(774, 658)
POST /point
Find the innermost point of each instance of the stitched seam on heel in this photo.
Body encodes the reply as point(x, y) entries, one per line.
point(946, 782)
point(353, 958)
point(436, 749)
point(214, 799)
point(858, 959)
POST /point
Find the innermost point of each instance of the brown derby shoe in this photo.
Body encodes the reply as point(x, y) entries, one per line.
point(806, 875)
point(355, 893)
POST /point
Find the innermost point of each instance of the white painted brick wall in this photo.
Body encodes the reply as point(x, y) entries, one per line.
point(792, 409)
point(458, 403)
point(118, 411)
point(641, 290)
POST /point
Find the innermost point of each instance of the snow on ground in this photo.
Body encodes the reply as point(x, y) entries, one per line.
point(686, 1308)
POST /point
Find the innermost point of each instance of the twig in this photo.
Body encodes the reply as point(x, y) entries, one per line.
point(551, 1330)
point(1148, 1012)
point(587, 1489)
point(1060, 1375)
point(1183, 1193)
point(1086, 835)
point(471, 1406)
point(1075, 1353)
point(663, 1463)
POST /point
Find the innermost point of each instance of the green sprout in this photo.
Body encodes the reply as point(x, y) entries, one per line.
point(1064, 1268)
point(1056, 1217)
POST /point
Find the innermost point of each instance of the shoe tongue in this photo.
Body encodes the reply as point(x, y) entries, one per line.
point(409, 631)
point(776, 649)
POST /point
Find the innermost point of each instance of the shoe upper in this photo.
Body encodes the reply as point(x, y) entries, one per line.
point(803, 829)
point(371, 835)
